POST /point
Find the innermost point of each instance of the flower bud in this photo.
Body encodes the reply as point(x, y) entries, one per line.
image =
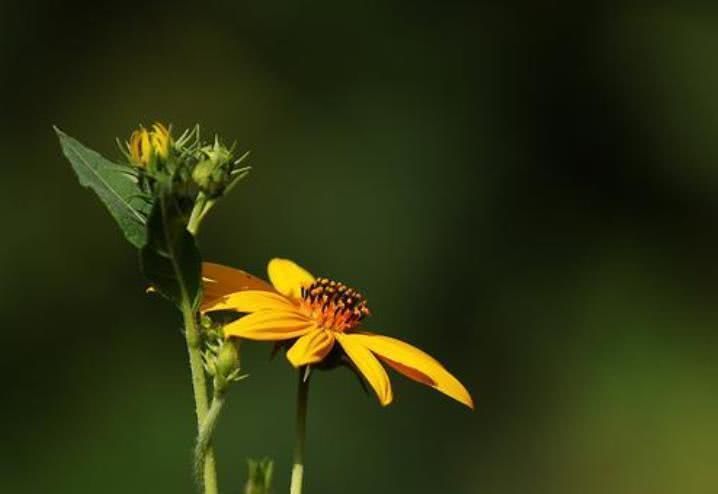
point(212, 174)
point(161, 140)
point(260, 476)
point(147, 147)
point(206, 322)
point(203, 175)
point(139, 147)
point(227, 359)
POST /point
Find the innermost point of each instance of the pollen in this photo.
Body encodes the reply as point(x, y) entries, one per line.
point(334, 305)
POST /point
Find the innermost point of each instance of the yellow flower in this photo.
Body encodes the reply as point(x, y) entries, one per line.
point(144, 145)
point(319, 313)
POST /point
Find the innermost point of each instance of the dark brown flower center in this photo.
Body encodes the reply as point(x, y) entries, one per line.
point(334, 305)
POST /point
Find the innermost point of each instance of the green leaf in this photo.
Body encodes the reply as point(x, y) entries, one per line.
point(170, 259)
point(117, 190)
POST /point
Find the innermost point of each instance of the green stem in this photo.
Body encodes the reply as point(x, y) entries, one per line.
point(206, 432)
point(199, 387)
point(302, 399)
point(199, 382)
point(208, 203)
point(198, 212)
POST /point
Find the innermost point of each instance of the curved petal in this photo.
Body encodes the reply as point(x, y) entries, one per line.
point(219, 281)
point(270, 325)
point(288, 277)
point(415, 364)
point(311, 348)
point(251, 301)
point(368, 365)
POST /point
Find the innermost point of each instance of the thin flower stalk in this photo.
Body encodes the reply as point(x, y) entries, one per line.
point(301, 433)
point(205, 463)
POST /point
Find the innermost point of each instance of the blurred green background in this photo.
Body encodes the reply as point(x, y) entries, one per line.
point(527, 192)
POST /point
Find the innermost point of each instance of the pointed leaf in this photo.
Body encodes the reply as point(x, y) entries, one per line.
point(116, 189)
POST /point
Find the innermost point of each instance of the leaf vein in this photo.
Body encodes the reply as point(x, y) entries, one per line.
point(107, 186)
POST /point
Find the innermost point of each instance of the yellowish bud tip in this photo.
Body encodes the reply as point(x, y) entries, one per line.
point(161, 140)
point(144, 146)
point(139, 147)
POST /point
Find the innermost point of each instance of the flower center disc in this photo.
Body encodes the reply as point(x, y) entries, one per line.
point(334, 305)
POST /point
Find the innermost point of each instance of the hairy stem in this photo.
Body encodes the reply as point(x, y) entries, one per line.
point(199, 386)
point(208, 471)
point(206, 432)
point(298, 466)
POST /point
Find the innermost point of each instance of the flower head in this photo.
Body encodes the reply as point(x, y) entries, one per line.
point(145, 146)
point(318, 314)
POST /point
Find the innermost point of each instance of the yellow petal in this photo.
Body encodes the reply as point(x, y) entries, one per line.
point(415, 364)
point(219, 281)
point(138, 146)
point(288, 277)
point(143, 147)
point(270, 325)
point(251, 301)
point(368, 365)
point(311, 348)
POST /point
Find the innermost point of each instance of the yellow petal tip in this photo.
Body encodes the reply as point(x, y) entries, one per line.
point(288, 277)
point(386, 402)
point(469, 403)
point(292, 361)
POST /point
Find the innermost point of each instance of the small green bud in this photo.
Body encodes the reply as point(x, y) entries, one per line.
point(202, 174)
point(260, 476)
point(206, 322)
point(212, 174)
point(227, 359)
point(217, 153)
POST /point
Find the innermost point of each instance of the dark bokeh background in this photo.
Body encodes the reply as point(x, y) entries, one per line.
point(528, 193)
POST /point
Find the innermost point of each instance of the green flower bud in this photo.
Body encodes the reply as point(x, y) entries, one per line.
point(217, 153)
point(202, 174)
point(227, 359)
point(260, 476)
point(212, 174)
point(206, 322)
